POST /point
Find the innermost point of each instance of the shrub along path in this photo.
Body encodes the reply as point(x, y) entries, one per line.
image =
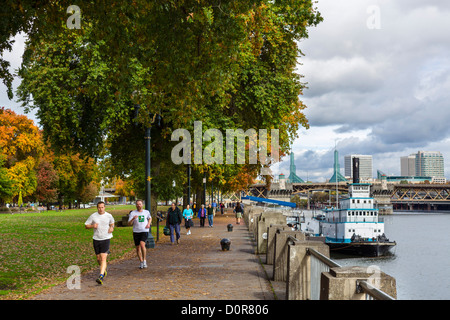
point(196, 269)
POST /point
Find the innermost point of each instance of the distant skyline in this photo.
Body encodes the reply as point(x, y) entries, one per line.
point(378, 78)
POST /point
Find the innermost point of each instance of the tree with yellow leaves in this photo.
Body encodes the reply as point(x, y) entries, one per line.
point(21, 143)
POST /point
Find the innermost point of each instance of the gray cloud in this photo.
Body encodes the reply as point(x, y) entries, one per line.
point(392, 82)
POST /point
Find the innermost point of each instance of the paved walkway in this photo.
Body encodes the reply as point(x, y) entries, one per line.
point(196, 269)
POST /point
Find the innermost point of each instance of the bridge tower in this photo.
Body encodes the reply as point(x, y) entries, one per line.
point(337, 176)
point(293, 178)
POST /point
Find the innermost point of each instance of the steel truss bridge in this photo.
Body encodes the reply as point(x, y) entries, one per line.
point(406, 194)
point(420, 194)
point(261, 191)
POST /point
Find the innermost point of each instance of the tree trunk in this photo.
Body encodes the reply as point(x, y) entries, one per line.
point(154, 207)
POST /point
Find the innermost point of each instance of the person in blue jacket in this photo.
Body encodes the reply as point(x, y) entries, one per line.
point(188, 215)
point(202, 215)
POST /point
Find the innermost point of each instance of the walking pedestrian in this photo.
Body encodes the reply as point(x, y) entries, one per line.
point(141, 221)
point(222, 206)
point(103, 224)
point(238, 210)
point(174, 218)
point(202, 215)
point(188, 214)
point(210, 215)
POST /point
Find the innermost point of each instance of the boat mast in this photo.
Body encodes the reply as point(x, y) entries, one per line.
point(335, 170)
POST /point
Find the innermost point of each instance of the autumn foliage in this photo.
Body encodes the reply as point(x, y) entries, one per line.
point(30, 167)
point(21, 143)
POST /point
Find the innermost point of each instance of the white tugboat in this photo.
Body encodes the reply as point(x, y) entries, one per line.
point(355, 226)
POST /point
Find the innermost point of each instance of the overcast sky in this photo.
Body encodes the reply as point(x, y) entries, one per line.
point(378, 75)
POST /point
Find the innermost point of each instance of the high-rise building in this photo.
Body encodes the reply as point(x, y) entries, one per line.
point(408, 165)
point(365, 166)
point(429, 163)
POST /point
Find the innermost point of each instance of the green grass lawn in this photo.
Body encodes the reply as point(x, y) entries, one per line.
point(37, 248)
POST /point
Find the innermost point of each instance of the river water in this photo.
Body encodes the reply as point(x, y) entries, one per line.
point(420, 262)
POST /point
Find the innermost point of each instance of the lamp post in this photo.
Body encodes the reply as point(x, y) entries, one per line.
point(204, 187)
point(148, 178)
point(189, 184)
point(212, 192)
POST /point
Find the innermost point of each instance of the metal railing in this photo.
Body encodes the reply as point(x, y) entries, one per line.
point(278, 209)
point(372, 293)
point(321, 263)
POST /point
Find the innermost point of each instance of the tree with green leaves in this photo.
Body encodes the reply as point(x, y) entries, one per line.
point(229, 64)
point(6, 190)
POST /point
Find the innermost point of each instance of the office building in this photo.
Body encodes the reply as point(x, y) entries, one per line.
point(429, 163)
point(365, 166)
point(408, 165)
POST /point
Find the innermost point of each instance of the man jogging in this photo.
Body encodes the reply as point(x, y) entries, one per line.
point(103, 224)
point(141, 221)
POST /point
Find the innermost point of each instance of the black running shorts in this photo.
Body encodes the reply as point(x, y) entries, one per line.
point(139, 236)
point(101, 246)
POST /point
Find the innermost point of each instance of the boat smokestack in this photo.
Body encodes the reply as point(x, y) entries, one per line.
point(355, 170)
